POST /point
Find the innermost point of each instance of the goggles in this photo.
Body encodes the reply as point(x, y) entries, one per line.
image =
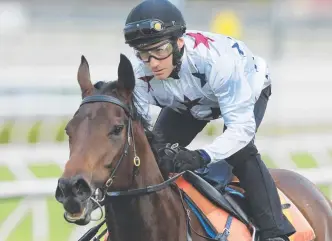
point(160, 52)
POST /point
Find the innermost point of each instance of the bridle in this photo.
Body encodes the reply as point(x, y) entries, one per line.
point(129, 141)
point(89, 235)
point(130, 135)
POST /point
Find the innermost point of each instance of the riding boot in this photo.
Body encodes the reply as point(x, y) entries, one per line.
point(261, 193)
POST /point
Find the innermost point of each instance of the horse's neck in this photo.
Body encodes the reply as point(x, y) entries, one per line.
point(157, 216)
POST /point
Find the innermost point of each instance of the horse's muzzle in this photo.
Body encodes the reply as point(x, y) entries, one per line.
point(74, 194)
point(73, 187)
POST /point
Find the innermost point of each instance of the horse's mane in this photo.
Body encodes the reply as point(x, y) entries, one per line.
point(109, 88)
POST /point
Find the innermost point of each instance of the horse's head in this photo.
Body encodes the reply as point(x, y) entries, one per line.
point(100, 138)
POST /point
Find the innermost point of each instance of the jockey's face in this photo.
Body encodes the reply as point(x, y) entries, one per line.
point(159, 58)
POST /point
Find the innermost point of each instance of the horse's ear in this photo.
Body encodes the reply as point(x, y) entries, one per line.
point(83, 77)
point(126, 76)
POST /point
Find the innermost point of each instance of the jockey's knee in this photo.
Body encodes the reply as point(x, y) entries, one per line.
point(245, 154)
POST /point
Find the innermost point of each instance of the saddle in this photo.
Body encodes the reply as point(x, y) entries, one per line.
point(216, 198)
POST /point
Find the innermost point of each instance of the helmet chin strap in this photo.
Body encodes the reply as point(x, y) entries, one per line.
point(177, 55)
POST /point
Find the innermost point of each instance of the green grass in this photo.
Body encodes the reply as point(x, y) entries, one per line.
point(304, 160)
point(326, 189)
point(61, 230)
point(53, 130)
point(38, 131)
point(34, 132)
point(214, 129)
point(45, 170)
point(61, 134)
point(6, 174)
point(24, 227)
point(6, 132)
point(211, 130)
point(7, 206)
point(268, 161)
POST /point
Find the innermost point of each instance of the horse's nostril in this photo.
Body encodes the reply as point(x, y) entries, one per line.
point(81, 189)
point(72, 187)
point(59, 196)
point(60, 190)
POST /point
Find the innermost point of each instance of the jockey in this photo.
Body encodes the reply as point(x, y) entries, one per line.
point(195, 77)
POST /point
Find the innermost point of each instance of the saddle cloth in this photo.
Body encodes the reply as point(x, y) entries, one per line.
point(214, 218)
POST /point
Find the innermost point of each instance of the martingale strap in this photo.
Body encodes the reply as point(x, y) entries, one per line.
point(207, 227)
point(224, 235)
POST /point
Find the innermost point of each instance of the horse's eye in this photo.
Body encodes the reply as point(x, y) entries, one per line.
point(116, 130)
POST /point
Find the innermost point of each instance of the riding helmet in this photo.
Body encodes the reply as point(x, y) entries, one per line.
point(152, 21)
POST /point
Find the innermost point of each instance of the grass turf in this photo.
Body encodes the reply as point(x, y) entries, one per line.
point(53, 130)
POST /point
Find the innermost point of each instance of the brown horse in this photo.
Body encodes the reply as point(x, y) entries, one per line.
point(112, 164)
point(316, 208)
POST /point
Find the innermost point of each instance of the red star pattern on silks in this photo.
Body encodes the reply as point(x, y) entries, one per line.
point(147, 80)
point(200, 39)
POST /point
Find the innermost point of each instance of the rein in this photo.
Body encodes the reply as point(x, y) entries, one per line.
point(90, 234)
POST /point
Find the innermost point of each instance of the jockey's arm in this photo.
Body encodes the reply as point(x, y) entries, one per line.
point(236, 102)
point(143, 100)
point(141, 92)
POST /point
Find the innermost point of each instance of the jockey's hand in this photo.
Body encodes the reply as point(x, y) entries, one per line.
point(166, 154)
point(190, 160)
